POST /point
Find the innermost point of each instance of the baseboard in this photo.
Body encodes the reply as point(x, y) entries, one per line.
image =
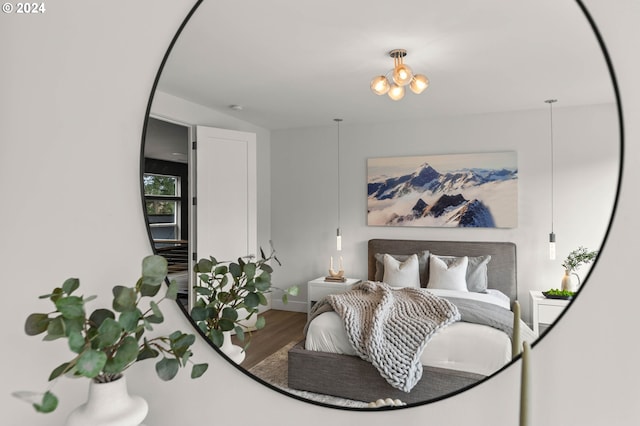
point(293, 305)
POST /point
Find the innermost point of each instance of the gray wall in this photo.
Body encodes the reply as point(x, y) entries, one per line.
point(304, 187)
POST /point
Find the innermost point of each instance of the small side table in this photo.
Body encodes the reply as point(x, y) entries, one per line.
point(545, 311)
point(319, 288)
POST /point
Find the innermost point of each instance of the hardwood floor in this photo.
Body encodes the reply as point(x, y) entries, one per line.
point(282, 327)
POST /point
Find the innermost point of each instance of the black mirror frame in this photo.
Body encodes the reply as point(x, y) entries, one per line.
point(614, 82)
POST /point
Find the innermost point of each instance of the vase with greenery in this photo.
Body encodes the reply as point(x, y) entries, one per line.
point(575, 259)
point(230, 293)
point(106, 342)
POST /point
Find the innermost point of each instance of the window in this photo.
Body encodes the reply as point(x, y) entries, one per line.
point(162, 200)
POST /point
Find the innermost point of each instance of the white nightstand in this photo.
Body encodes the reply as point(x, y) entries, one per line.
point(545, 311)
point(319, 288)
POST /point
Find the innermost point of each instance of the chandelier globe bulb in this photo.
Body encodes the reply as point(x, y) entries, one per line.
point(380, 85)
point(419, 83)
point(396, 92)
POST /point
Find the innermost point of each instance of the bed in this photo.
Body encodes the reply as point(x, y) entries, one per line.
point(457, 356)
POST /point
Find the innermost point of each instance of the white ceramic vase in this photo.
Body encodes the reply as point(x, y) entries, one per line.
point(234, 352)
point(109, 404)
point(568, 283)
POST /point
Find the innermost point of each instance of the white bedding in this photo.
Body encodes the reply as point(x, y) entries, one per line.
point(461, 346)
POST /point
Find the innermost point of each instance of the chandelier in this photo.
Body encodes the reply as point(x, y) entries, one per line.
point(401, 76)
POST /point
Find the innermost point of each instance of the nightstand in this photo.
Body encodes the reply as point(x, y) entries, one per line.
point(545, 311)
point(319, 288)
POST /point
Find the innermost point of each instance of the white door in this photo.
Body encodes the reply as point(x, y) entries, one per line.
point(226, 194)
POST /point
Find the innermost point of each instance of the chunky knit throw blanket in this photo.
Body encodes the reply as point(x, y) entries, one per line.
point(389, 327)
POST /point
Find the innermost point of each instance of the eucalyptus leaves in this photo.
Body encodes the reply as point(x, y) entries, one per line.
point(229, 293)
point(107, 342)
point(578, 257)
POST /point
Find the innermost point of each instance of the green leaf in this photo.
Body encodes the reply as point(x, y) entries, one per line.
point(172, 291)
point(90, 363)
point(56, 294)
point(224, 297)
point(156, 310)
point(181, 342)
point(109, 333)
point(48, 404)
point(70, 285)
point(55, 330)
point(266, 268)
point(167, 368)
point(239, 333)
point(204, 265)
point(124, 299)
point(225, 324)
point(249, 270)
point(129, 320)
point(150, 290)
point(216, 337)
point(294, 290)
point(199, 313)
point(99, 315)
point(230, 314)
point(221, 270)
point(252, 300)
point(263, 299)
point(71, 325)
point(154, 269)
point(260, 322)
point(262, 282)
point(36, 324)
point(235, 270)
point(76, 341)
point(126, 354)
point(198, 370)
point(285, 298)
point(203, 291)
point(147, 352)
point(59, 370)
point(70, 307)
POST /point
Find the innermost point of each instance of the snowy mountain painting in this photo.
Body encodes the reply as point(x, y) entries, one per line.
point(460, 190)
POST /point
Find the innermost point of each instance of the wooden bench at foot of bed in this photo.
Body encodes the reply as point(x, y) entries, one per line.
point(350, 377)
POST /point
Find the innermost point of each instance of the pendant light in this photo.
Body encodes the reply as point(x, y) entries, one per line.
point(400, 76)
point(552, 235)
point(338, 233)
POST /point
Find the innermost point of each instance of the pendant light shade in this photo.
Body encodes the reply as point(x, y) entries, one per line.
point(419, 83)
point(402, 74)
point(380, 85)
point(396, 92)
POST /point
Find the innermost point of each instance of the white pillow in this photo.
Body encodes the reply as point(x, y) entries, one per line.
point(401, 274)
point(451, 276)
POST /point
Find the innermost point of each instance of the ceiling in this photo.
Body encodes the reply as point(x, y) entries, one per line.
point(301, 63)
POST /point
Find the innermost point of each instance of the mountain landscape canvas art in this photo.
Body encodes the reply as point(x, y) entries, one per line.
point(457, 190)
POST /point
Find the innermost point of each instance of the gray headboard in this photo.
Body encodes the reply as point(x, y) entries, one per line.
point(501, 270)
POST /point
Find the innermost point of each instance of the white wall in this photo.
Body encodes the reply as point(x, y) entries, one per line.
point(176, 109)
point(304, 190)
point(73, 91)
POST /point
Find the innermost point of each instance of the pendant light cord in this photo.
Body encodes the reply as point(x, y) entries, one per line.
point(551, 102)
point(338, 120)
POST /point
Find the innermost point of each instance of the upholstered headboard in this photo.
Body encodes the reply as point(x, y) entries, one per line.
point(501, 270)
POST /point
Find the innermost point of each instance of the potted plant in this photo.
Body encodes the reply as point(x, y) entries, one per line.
point(575, 259)
point(230, 293)
point(108, 341)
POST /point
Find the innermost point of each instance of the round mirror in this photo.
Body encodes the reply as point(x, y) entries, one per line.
point(241, 148)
